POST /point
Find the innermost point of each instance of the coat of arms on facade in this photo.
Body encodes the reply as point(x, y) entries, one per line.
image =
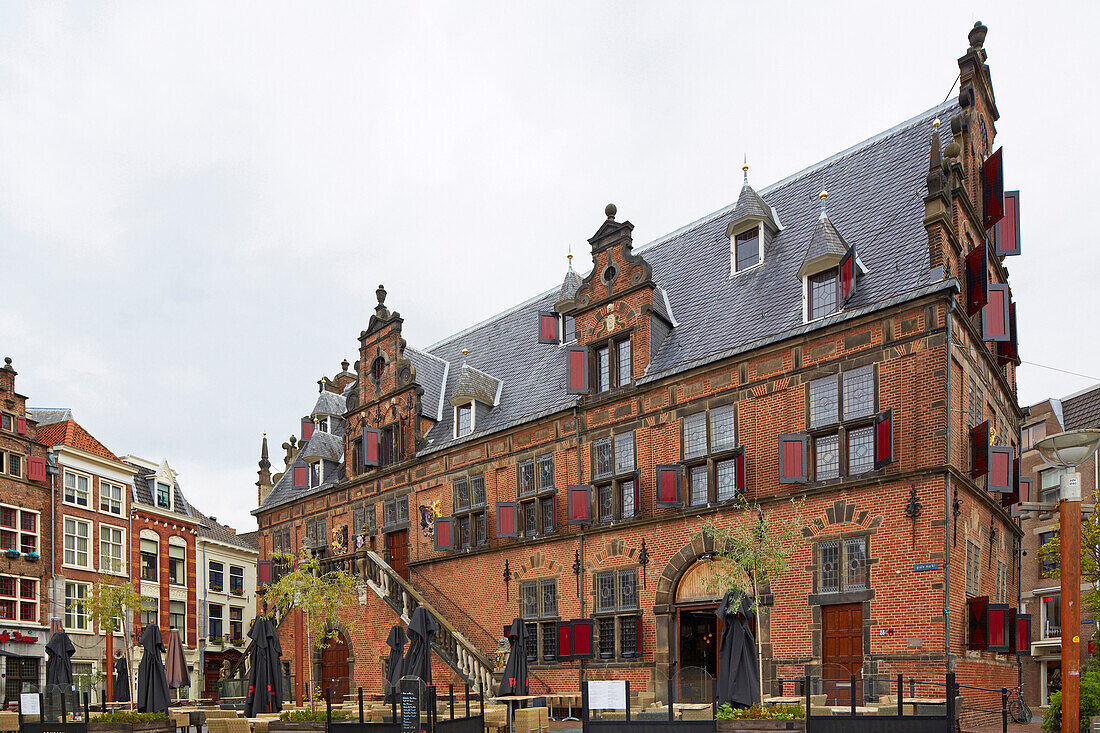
point(340, 539)
point(428, 515)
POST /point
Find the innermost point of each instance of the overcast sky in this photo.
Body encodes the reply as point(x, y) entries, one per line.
point(197, 200)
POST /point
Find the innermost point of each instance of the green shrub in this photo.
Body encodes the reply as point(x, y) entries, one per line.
point(312, 716)
point(772, 712)
point(126, 716)
point(1090, 703)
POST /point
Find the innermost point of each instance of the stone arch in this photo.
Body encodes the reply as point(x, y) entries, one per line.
point(346, 638)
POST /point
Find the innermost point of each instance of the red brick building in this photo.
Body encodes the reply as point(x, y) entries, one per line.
point(1040, 587)
point(558, 461)
point(24, 542)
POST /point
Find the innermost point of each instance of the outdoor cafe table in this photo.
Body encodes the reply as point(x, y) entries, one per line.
point(847, 710)
point(917, 701)
point(568, 698)
point(784, 700)
point(509, 699)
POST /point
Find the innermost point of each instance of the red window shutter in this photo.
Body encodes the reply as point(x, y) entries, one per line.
point(995, 315)
point(1010, 499)
point(371, 449)
point(977, 623)
point(583, 646)
point(36, 469)
point(1000, 469)
point(21, 424)
point(577, 369)
point(1008, 229)
point(444, 539)
point(580, 505)
point(1023, 634)
point(668, 486)
point(1025, 488)
point(307, 428)
point(638, 637)
point(565, 641)
point(979, 450)
point(263, 572)
point(301, 476)
point(506, 519)
point(792, 459)
point(1012, 631)
point(977, 279)
point(848, 275)
point(884, 439)
point(997, 628)
point(548, 327)
point(1009, 351)
point(739, 469)
point(993, 190)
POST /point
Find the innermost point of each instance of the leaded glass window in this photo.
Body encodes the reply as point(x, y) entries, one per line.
point(823, 293)
point(695, 435)
point(529, 600)
point(547, 507)
point(861, 446)
point(526, 472)
point(726, 473)
point(722, 433)
point(607, 637)
point(859, 392)
point(824, 401)
point(462, 494)
point(606, 503)
point(530, 520)
point(827, 457)
point(403, 509)
point(855, 549)
point(624, 452)
point(830, 566)
point(628, 589)
point(603, 369)
point(605, 591)
point(699, 486)
point(532, 646)
point(545, 472)
point(478, 483)
point(623, 361)
point(626, 489)
point(603, 457)
point(628, 637)
point(549, 598)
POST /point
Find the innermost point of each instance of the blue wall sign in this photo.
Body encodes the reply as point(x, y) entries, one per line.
point(922, 566)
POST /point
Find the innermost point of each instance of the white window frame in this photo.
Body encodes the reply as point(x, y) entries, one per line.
point(156, 494)
point(182, 544)
point(122, 559)
point(182, 630)
point(65, 542)
point(110, 501)
point(87, 491)
point(473, 418)
point(759, 227)
point(85, 616)
point(18, 529)
point(1043, 616)
point(806, 295)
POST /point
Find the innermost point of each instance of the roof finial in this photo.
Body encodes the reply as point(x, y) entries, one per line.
point(610, 210)
point(823, 195)
point(745, 168)
point(465, 351)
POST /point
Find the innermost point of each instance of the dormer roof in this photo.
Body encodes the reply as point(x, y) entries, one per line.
point(826, 248)
point(329, 403)
point(474, 384)
point(323, 446)
point(750, 207)
point(568, 288)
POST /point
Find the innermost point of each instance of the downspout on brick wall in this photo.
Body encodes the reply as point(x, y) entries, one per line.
point(947, 498)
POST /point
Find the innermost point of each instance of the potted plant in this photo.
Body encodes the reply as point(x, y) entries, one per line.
point(237, 591)
point(773, 718)
point(131, 722)
point(12, 554)
point(304, 719)
point(32, 556)
point(216, 587)
point(216, 640)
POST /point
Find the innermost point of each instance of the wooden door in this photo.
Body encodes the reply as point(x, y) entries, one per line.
point(334, 668)
point(397, 552)
point(842, 651)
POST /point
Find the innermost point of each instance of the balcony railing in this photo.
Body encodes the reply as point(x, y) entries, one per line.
point(1052, 630)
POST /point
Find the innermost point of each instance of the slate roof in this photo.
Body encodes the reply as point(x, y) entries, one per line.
point(430, 373)
point(876, 197)
point(474, 384)
point(144, 495)
point(329, 403)
point(49, 415)
point(569, 285)
point(1082, 410)
point(826, 240)
point(70, 433)
point(211, 528)
point(324, 445)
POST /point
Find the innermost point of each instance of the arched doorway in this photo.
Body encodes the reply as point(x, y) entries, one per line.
point(336, 666)
point(698, 629)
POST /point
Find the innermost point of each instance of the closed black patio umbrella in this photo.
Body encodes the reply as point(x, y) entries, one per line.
point(738, 676)
point(265, 680)
point(152, 694)
point(59, 660)
point(514, 681)
point(121, 688)
point(396, 643)
point(418, 659)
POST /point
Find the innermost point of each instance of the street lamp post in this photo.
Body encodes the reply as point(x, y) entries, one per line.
point(1067, 451)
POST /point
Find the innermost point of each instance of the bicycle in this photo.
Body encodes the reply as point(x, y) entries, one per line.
point(1018, 709)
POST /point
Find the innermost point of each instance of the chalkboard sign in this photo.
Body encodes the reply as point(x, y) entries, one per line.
point(410, 691)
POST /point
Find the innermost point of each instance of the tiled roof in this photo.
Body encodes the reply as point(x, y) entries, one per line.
point(876, 198)
point(474, 384)
point(327, 446)
point(1082, 410)
point(431, 371)
point(209, 527)
point(329, 403)
point(69, 432)
point(49, 415)
point(569, 285)
point(826, 240)
point(143, 492)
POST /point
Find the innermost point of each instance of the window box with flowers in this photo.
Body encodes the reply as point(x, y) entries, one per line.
point(32, 556)
point(11, 554)
point(236, 591)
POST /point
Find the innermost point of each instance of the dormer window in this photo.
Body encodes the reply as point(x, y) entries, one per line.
point(164, 495)
point(464, 419)
point(322, 424)
point(568, 329)
point(746, 246)
point(316, 474)
point(822, 291)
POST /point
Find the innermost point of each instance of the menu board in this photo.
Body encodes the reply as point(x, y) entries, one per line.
point(409, 692)
point(607, 695)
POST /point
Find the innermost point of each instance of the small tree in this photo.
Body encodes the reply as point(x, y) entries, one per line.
point(110, 605)
point(319, 596)
point(751, 552)
point(1051, 554)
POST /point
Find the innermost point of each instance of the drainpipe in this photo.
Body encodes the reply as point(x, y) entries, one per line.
point(51, 468)
point(948, 525)
point(206, 618)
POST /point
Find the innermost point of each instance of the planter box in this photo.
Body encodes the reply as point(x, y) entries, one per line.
point(288, 725)
point(153, 726)
point(738, 726)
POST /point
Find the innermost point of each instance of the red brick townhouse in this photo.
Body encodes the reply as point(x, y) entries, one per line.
point(557, 461)
point(24, 542)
